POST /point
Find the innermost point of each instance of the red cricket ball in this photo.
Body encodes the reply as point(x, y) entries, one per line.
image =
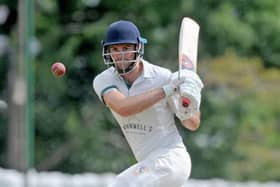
point(58, 69)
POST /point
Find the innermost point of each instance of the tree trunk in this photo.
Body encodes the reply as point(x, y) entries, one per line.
point(16, 101)
point(17, 98)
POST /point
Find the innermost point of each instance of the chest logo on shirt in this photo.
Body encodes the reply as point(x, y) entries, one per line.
point(137, 128)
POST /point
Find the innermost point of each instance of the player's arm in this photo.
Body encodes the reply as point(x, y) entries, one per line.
point(193, 122)
point(129, 105)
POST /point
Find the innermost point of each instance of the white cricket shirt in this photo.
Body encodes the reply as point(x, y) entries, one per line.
point(149, 131)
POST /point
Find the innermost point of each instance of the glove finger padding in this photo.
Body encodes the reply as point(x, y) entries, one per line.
point(173, 86)
point(191, 92)
point(191, 88)
point(180, 111)
point(190, 75)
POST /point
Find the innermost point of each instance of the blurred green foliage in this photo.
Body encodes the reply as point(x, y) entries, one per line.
point(241, 123)
point(238, 62)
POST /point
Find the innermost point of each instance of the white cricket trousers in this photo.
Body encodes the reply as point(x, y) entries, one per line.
point(168, 168)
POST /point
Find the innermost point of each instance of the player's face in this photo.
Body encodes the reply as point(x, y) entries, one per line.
point(122, 54)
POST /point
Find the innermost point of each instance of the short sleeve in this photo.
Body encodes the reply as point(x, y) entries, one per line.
point(103, 84)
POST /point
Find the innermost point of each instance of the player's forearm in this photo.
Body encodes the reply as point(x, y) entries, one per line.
point(134, 104)
point(192, 123)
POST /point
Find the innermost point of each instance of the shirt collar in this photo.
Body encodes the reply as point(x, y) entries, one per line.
point(147, 69)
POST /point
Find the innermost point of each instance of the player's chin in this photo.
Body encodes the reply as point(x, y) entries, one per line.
point(122, 66)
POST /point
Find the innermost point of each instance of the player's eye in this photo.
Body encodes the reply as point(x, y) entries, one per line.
point(113, 49)
point(125, 48)
point(128, 48)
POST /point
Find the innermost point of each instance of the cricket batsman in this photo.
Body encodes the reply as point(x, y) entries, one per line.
point(144, 99)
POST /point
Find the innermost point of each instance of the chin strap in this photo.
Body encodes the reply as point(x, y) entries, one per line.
point(127, 70)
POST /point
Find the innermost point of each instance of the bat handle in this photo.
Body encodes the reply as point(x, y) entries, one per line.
point(185, 102)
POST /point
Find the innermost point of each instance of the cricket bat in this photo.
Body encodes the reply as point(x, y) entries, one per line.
point(187, 48)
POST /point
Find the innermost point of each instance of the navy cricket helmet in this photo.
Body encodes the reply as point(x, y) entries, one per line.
point(121, 32)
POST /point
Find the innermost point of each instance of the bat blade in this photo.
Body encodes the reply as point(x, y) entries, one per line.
point(187, 48)
point(188, 44)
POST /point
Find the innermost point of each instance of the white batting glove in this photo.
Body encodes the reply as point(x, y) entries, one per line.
point(173, 86)
point(191, 89)
point(181, 112)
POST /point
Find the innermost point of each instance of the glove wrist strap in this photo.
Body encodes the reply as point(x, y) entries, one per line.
point(168, 91)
